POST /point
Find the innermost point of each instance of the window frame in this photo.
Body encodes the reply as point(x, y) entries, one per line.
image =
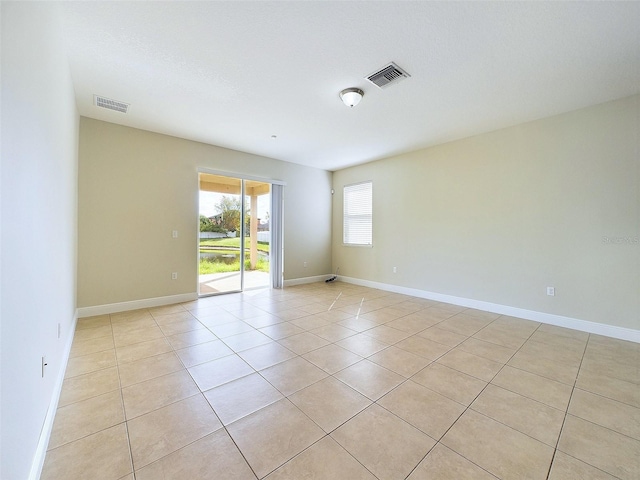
point(345, 216)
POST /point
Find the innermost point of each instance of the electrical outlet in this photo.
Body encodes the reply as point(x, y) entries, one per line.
point(551, 291)
point(395, 269)
point(174, 234)
point(174, 276)
point(304, 264)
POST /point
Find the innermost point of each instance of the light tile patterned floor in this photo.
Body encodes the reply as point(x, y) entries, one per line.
point(336, 381)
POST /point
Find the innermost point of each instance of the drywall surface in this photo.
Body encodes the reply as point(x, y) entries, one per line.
point(501, 216)
point(136, 187)
point(39, 191)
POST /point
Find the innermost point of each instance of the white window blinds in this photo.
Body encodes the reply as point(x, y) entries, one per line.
point(358, 214)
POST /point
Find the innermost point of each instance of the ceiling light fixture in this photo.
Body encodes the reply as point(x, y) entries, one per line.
point(351, 96)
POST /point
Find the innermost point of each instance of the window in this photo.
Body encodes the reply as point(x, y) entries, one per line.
point(358, 214)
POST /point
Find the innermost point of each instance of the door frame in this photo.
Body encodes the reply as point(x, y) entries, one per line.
point(276, 268)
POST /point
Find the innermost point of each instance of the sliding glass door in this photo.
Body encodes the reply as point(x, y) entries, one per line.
point(235, 237)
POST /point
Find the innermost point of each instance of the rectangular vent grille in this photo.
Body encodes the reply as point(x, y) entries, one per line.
point(110, 104)
point(387, 75)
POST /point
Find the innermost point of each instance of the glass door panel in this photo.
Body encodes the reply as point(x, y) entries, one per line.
point(257, 203)
point(221, 232)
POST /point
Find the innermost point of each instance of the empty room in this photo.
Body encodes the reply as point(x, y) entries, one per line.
point(333, 240)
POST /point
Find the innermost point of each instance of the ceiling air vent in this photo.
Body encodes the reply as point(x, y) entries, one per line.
point(387, 75)
point(110, 104)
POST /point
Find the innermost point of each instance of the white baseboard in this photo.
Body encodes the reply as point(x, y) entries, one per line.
point(47, 427)
point(304, 280)
point(613, 331)
point(135, 304)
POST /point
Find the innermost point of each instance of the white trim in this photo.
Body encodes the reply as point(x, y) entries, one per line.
point(613, 331)
point(135, 304)
point(240, 175)
point(47, 427)
point(305, 280)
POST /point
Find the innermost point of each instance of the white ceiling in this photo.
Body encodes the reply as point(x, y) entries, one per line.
point(234, 73)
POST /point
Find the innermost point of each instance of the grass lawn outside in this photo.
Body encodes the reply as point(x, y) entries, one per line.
point(215, 243)
point(229, 246)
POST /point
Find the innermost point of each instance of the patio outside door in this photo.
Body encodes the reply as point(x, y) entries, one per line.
point(233, 248)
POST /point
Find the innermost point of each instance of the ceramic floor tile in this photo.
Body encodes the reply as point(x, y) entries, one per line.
point(94, 332)
point(203, 353)
point(445, 337)
point(127, 327)
point(310, 322)
point(386, 445)
point(463, 324)
point(204, 459)
point(232, 328)
point(329, 403)
point(451, 383)
point(264, 320)
point(562, 342)
point(169, 429)
point(400, 361)
point(358, 324)
point(545, 390)
point(530, 417)
point(324, 460)
point(470, 364)
point(362, 344)
point(556, 354)
point(147, 396)
point(423, 408)
point(386, 334)
point(600, 447)
point(370, 379)
point(241, 397)
point(503, 451)
point(412, 324)
point(181, 326)
point(103, 455)
point(565, 467)
point(509, 429)
point(266, 355)
point(187, 339)
point(91, 322)
point(247, 340)
point(501, 336)
point(443, 463)
point(545, 367)
point(423, 347)
point(91, 345)
point(138, 336)
point(80, 419)
point(303, 342)
point(273, 435)
point(148, 368)
point(332, 358)
point(172, 317)
point(293, 375)
point(134, 352)
point(487, 350)
point(281, 330)
point(610, 387)
point(89, 385)
point(605, 412)
point(90, 363)
point(211, 374)
point(610, 366)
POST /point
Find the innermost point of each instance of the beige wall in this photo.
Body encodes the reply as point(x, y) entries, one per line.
point(135, 187)
point(499, 217)
point(39, 188)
